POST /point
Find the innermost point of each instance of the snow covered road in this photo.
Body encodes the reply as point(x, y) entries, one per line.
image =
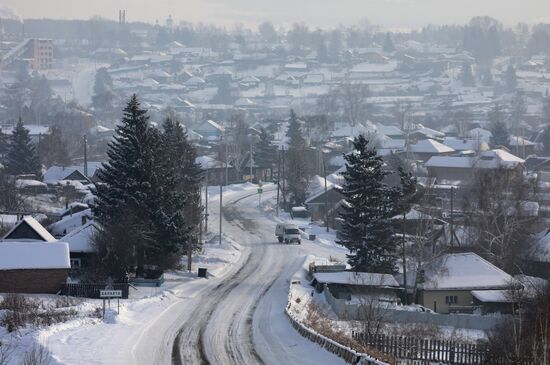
point(234, 317)
point(248, 326)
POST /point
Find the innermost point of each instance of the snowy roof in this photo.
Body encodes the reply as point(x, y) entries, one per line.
point(70, 223)
point(449, 161)
point(26, 183)
point(430, 146)
point(356, 278)
point(374, 67)
point(320, 192)
point(56, 173)
point(34, 255)
point(460, 144)
point(79, 240)
point(317, 183)
point(349, 131)
point(389, 130)
point(429, 131)
point(413, 214)
point(540, 248)
point(481, 134)
point(210, 124)
point(498, 158)
point(35, 226)
point(492, 296)
point(244, 102)
point(207, 162)
point(520, 141)
point(463, 271)
point(314, 79)
point(34, 129)
point(195, 80)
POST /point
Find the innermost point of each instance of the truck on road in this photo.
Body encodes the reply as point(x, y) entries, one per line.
point(288, 233)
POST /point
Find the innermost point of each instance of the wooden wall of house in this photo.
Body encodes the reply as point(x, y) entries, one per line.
point(32, 280)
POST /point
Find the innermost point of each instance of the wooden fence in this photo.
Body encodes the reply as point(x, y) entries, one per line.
point(91, 290)
point(420, 351)
point(349, 355)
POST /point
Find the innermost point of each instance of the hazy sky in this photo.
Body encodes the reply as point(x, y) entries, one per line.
point(327, 13)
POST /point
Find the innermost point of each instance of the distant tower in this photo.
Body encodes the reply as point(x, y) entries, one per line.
point(119, 16)
point(169, 22)
point(124, 16)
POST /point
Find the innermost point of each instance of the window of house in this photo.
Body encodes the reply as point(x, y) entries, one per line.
point(75, 264)
point(451, 299)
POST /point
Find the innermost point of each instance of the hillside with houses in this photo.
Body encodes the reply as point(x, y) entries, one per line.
point(192, 194)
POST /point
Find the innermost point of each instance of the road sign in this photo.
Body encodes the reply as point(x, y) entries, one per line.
point(110, 293)
point(260, 190)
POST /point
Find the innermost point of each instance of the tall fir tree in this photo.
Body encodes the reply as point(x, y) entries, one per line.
point(500, 135)
point(132, 179)
point(4, 145)
point(510, 78)
point(296, 161)
point(53, 148)
point(546, 141)
point(366, 219)
point(467, 75)
point(266, 153)
point(546, 109)
point(183, 178)
point(21, 157)
point(388, 46)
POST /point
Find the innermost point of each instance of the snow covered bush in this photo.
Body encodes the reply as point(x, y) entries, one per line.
point(19, 311)
point(37, 355)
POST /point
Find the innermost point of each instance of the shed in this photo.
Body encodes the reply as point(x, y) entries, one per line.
point(33, 267)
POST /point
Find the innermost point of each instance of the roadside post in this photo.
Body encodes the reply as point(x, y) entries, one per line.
point(108, 293)
point(260, 191)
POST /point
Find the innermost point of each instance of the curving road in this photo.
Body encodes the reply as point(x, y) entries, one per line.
point(241, 320)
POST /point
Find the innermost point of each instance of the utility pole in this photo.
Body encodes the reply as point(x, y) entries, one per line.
point(206, 204)
point(278, 179)
point(284, 186)
point(250, 162)
point(326, 195)
point(404, 258)
point(85, 156)
point(189, 254)
point(226, 165)
point(452, 217)
point(221, 197)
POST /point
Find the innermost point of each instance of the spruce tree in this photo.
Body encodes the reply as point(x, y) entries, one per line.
point(500, 136)
point(366, 219)
point(182, 180)
point(510, 78)
point(21, 156)
point(388, 47)
point(297, 169)
point(467, 75)
point(131, 186)
point(4, 145)
point(546, 141)
point(53, 148)
point(546, 109)
point(266, 152)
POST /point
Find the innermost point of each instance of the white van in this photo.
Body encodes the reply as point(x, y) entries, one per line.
point(287, 233)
